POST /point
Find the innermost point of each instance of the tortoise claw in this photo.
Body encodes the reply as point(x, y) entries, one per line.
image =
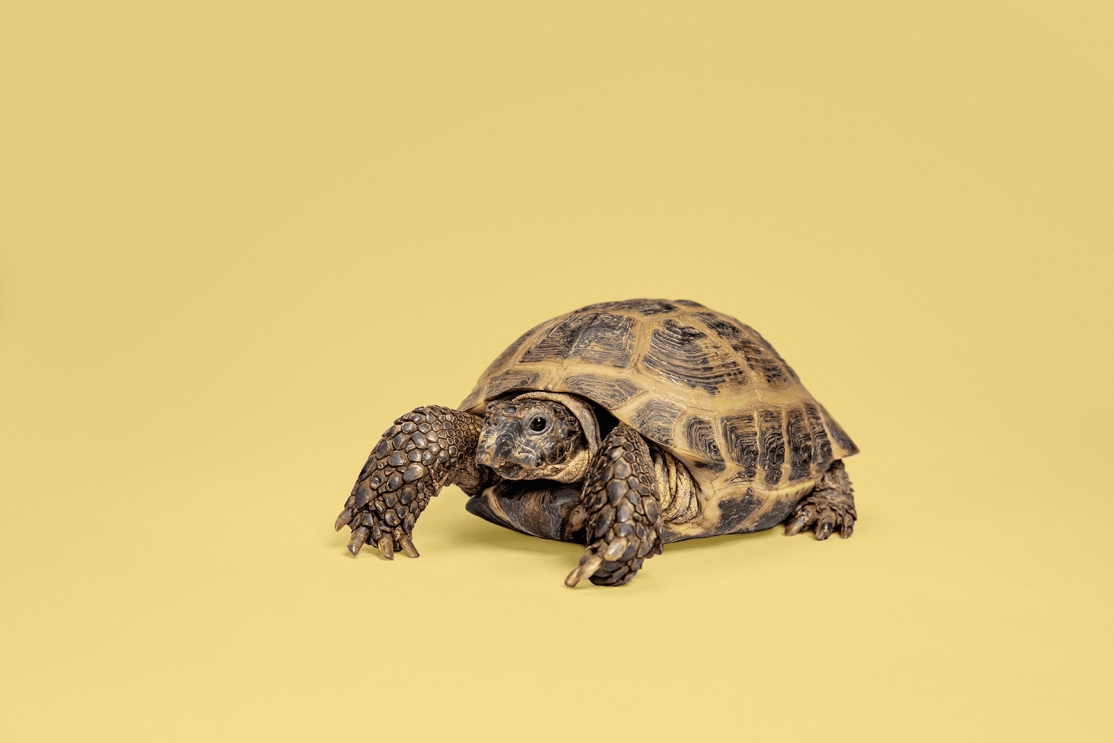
point(794, 527)
point(586, 569)
point(407, 545)
point(848, 528)
point(356, 541)
point(344, 517)
point(387, 546)
point(825, 523)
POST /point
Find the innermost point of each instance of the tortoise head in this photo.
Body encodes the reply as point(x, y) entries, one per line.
point(536, 436)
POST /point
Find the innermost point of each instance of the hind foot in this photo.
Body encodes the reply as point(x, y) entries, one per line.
point(830, 507)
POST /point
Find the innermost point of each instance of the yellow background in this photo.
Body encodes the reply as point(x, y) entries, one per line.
point(239, 239)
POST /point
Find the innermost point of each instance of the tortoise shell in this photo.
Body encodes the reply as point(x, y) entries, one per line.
point(704, 386)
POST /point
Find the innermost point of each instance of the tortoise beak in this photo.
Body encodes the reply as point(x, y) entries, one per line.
point(492, 453)
point(503, 457)
point(509, 470)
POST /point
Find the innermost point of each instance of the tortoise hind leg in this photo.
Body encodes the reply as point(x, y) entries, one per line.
point(830, 506)
point(624, 517)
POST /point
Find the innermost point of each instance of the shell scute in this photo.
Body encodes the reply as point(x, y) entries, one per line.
point(611, 392)
point(597, 337)
point(771, 444)
point(821, 445)
point(557, 342)
point(699, 437)
point(800, 445)
point(513, 380)
point(645, 307)
point(655, 419)
point(684, 354)
point(607, 339)
point(758, 355)
point(740, 435)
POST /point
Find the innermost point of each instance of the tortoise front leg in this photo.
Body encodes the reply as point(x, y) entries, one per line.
point(624, 518)
point(422, 452)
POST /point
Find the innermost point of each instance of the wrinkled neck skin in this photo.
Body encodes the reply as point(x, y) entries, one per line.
point(539, 435)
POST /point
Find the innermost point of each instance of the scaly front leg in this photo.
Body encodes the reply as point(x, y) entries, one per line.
point(422, 452)
point(624, 516)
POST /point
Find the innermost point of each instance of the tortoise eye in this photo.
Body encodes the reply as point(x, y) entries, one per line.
point(539, 424)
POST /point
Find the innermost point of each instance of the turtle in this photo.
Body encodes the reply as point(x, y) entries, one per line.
point(622, 426)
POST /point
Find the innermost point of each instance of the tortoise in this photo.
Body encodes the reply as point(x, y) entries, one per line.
point(621, 426)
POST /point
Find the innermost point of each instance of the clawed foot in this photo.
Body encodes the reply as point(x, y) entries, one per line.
point(613, 563)
point(373, 523)
point(824, 512)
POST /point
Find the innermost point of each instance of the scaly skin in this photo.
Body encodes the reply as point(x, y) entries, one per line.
point(624, 517)
point(422, 452)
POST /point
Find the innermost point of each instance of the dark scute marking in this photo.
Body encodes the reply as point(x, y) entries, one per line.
point(689, 303)
point(718, 324)
point(611, 393)
point(839, 434)
point(733, 512)
point(772, 351)
point(713, 466)
point(821, 447)
point(512, 380)
point(776, 515)
point(800, 445)
point(741, 439)
point(599, 306)
point(698, 434)
point(771, 444)
point(759, 356)
point(655, 420)
point(683, 354)
point(557, 343)
point(644, 306)
point(655, 308)
point(607, 339)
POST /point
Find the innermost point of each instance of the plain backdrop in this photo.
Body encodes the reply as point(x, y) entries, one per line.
point(238, 239)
